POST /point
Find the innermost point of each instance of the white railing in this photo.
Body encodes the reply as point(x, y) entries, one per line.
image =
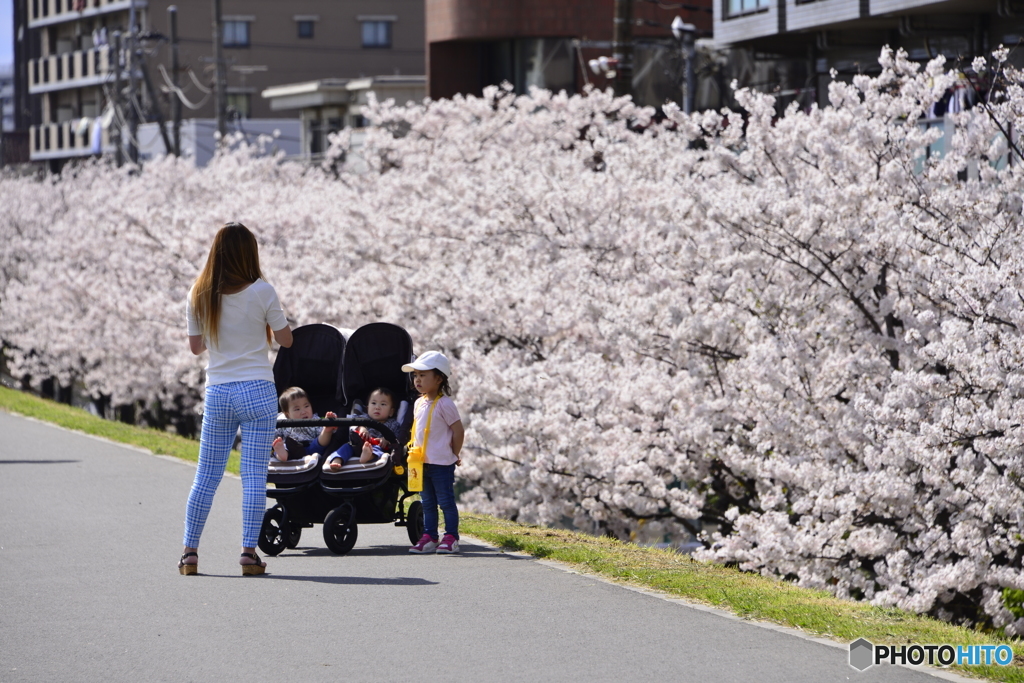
point(46, 12)
point(69, 70)
point(68, 139)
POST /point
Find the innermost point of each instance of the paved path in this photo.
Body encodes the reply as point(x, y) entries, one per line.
point(90, 533)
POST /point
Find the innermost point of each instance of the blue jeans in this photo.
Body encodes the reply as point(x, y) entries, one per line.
point(439, 490)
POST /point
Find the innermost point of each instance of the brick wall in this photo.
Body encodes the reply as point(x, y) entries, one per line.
point(455, 30)
point(591, 19)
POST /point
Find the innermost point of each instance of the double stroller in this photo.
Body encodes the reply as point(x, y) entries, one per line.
point(337, 374)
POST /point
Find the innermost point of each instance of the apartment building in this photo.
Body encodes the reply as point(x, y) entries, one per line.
point(6, 98)
point(791, 46)
point(548, 43)
point(65, 53)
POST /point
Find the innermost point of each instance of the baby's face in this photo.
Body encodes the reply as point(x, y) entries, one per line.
point(379, 407)
point(300, 409)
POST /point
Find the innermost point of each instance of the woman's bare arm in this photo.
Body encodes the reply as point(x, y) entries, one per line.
point(196, 344)
point(284, 336)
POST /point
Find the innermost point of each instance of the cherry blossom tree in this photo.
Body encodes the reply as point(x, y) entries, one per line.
point(795, 338)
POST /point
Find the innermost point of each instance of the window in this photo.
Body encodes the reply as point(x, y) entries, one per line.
point(236, 33)
point(376, 34)
point(735, 8)
point(304, 24)
point(239, 105)
point(320, 132)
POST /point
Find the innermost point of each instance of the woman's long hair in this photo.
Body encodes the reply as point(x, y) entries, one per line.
point(233, 264)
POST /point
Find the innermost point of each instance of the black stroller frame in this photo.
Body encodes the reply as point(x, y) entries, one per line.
point(374, 493)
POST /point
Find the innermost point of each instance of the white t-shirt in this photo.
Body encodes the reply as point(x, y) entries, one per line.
point(439, 447)
point(241, 354)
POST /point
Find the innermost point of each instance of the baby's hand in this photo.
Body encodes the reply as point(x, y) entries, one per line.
point(280, 452)
point(384, 445)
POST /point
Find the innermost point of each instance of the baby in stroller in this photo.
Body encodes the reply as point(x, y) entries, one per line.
point(380, 406)
point(297, 442)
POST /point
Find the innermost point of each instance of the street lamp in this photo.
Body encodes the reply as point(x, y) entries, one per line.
point(686, 35)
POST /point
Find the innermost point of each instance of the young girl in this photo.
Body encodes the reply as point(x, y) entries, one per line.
point(436, 412)
point(380, 406)
point(231, 312)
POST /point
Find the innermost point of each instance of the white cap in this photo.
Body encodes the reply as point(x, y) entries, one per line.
point(431, 360)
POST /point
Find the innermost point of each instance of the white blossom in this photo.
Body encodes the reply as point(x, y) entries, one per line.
point(794, 336)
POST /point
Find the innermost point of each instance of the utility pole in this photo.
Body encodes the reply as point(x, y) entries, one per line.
point(116, 134)
point(622, 47)
point(686, 34)
point(220, 87)
point(133, 90)
point(172, 11)
point(161, 121)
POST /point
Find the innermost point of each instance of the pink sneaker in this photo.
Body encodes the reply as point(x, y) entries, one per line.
point(449, 544)
point(426, 545)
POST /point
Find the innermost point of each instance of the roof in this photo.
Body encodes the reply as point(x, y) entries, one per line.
point(331, 91)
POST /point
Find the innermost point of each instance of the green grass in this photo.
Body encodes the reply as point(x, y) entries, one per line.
point(747, 595)
point(163, 443)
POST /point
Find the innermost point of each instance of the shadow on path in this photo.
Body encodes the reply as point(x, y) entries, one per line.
point(37, 462)
point(340, 580)
point(398, 550)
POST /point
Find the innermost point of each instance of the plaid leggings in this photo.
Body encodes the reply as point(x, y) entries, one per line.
point(253, 406)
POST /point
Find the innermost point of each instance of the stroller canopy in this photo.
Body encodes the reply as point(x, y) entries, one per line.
point(374, 357)
point(314, 362)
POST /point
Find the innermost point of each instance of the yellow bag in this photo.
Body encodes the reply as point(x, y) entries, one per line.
point(418, 454)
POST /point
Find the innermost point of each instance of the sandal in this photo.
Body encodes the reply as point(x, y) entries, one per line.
point(256, 568)
point(186, 569)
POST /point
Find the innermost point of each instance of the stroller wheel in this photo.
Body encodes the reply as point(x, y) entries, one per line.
point(340, 531)
point(273, 537)
point(294, 534)
point(414, 522)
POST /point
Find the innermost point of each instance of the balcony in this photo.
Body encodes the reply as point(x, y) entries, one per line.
point(49, 12)
point(70, 70)
point(63, 140)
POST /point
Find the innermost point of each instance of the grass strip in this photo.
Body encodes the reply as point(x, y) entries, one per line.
point(748, 595)
point(751, 596)
point(162, 443)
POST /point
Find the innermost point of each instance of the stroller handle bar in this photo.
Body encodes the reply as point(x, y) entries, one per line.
point(344, 422)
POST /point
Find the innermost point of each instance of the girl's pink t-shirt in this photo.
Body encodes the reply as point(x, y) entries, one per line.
point(439, 449)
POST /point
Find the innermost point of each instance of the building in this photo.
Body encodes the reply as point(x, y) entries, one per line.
point(548, 43)
point(6, 98)
point(65, 51)
point(13, 145)
point(790, 46)
point(198, 138)
point(326, 106)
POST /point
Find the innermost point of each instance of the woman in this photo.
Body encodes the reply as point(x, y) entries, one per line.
point(231, 312)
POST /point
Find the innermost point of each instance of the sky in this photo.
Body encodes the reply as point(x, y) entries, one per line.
point(6, 32)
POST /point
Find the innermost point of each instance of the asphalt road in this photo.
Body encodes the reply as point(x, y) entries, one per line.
point(90, 532)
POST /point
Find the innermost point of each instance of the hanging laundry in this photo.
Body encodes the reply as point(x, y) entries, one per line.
point(96, 143)
point(108, 116)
